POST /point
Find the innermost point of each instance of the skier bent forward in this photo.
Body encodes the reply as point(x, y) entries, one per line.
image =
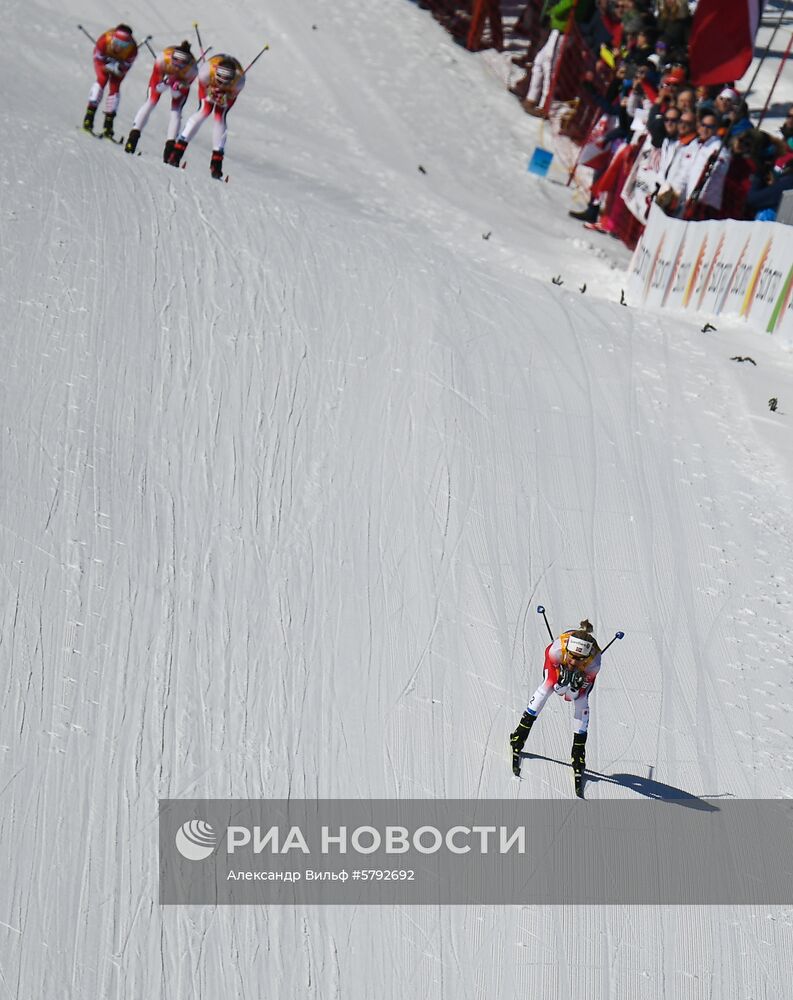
point(173, 72)
point(571, 666)
point(114, 53)
point(220, 82)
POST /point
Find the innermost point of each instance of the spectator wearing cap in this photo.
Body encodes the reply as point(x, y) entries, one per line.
point(665, 99)
point(726, 100)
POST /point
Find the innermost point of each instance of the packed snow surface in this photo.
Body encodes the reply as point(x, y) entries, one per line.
point(288, 463)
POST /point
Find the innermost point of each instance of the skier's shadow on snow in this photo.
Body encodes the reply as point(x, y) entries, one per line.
point(648, 787)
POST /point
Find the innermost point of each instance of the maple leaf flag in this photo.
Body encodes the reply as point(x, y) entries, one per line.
point(722, 39)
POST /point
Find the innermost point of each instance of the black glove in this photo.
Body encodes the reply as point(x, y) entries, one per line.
point(577, 681)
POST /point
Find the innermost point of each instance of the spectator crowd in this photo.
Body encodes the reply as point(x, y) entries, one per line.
point(655, 137)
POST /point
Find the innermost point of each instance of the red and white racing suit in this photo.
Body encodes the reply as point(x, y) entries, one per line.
point(167, 78)
point(113, 59)
point(216, 98)
point(556, 679)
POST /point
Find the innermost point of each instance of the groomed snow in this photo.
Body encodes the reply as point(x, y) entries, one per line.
point(288, 464)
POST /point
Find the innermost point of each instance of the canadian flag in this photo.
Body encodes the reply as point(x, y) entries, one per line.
point(722, 39)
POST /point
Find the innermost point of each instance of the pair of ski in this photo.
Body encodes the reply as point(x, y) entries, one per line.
point(102, 135)
point(120, 142)
point(578, 776)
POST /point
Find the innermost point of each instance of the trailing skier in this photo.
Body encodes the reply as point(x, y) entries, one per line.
point(572, 662)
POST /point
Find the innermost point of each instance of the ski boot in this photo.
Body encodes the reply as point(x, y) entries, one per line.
point(107, 128)
point(177, 152)
point(588, 214)
point(578, 760)
point(88, 121)
point(166, 153)
point(216, 164)
point(132, 140)
point(518, 738)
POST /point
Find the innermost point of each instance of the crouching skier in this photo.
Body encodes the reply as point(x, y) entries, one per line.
point(220, 82)
point(173, 73)
point(571, 665)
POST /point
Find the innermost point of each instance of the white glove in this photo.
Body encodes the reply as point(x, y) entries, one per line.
point(161, 87)
point(113, 67)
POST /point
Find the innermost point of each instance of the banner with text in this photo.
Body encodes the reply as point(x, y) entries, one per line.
point(730, 268)
point(437, 851)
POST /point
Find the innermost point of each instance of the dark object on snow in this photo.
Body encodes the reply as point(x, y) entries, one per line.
point(216, 164)
point(557, 280)
point(772, 404)
point(486, 236)
point(737, 357)
point(582, 289)
point(707, 328)
point(622, 297)
point(421, 169)
point(588, 214)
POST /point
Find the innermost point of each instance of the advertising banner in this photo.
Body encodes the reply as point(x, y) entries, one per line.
point(729, 268)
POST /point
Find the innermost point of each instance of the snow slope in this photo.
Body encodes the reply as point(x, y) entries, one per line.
point(289, 462)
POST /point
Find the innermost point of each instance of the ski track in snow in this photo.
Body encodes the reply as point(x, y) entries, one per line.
point(288, 464)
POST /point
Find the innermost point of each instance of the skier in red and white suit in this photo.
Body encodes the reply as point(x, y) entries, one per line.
point(173, 73)
point(571, 666)
point(114, 53)
point(220, 82)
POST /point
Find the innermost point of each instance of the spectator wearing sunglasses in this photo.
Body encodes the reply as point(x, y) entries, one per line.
point(704, 181)
point(674, 176)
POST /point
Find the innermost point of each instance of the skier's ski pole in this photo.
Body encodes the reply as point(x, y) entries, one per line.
point(255, 58)
point(617, 635)
point(541, 611)
point(204, 52)
point(89, 37)
point(146, 43)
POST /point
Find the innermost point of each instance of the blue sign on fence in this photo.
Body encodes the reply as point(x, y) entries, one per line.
point(540, 162)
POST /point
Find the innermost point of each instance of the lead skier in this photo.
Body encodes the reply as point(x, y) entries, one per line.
point(571, 665)
point(220, 82)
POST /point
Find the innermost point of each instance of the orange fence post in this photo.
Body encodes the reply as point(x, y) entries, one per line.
point(485, 10)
